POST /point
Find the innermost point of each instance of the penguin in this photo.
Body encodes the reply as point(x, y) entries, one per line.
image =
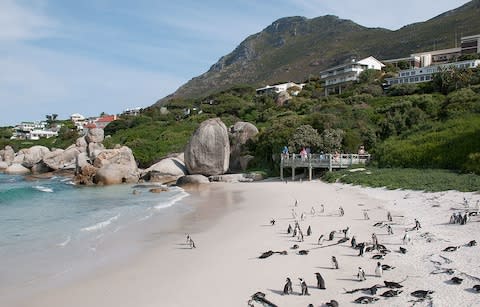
point(287, 289)
point(289, 229)
point(353, 242)
point(379, 270)
point(361, 274)
point(331, 235)
point(332, 303)
point(303, 252)
point(373, 290)
point(472, 243)
point(403, 250)
point(386, 267)
point(476, 288)
point(456, 280)
point(335, 262)
point(304, 287)
point(309, 230)
point(450, 249)
point(366, 299)
point(391, 293)
point(378, 257)
point(421, 293)
point(392, 284)
point(320, 281)
point(295, 246)
point(320, 240)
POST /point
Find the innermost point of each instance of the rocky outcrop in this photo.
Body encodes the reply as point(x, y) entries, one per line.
point(116, 166)
point(17, 169)
point(240, 133)
point(3, 165)
point(33, 155)
point(7, 154)
point(192, 179)
point(166, 171)
point(208, 151)
point(62, 159)
point(94, 135)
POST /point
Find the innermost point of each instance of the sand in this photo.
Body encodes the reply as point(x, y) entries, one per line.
point(231, 228)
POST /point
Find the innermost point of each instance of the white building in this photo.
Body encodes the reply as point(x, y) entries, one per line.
point(278, 88)
point(132, 111)
point(37, 134)
point(470, 44)
point(425, 74)
point(78, 120)
point(336, 78)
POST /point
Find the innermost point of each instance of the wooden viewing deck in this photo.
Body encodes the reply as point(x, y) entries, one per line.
point(325, 161)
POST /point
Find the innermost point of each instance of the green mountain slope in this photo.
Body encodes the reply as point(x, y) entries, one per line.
point(297, 48)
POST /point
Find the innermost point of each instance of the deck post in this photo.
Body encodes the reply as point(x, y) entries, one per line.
point(310, 173)
point(281, 171)
point(293, 173)
point(330, 162)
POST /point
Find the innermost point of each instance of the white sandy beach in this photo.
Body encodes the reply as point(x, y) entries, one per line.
point(232, 228)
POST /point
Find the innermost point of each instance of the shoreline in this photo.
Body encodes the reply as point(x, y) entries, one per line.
point(231, 228)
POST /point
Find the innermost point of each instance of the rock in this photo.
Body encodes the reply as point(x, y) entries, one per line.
point(240, 133)
point(86, 175)
point(8, 154)
point(17, 169)
point(282, 98)
point(81, 144)
point(40, 168)
point(230, 178)
point(3, 165)
point(33, 155)
point(116, 166)
point(61, 159)
point(82, 160)
point(208, 151)
point(158, 177)
point(169, 166)
point(115, 174)
point(94, 149)
point(18, 159)
point(192, 179)
point(94, 135)
point(158, 190)
point(244, 161)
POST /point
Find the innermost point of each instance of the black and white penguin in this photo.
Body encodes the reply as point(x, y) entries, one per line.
point(332, 303)
point(456, 280)
point(287, 289)
point(304, 287)
point(320, 281)
point(331, 235)
point(309, 230)
point(289, 229)
point(320, 240)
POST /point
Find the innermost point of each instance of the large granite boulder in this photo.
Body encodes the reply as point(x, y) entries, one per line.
point(81, 143)
point(282, 98)
point(17, 169)
point(3, 165)
point(116, 166)
point(62, 159)
point(208, 151)
point(94, 149)
point(169, 166)
point(192, 179)
point(8, 154)
point(33, 155)
point(18, 159)
point(40, 168)
point(240, 133)
point(95, 135)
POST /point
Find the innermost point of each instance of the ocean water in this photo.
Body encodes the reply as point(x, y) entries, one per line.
point(51, 229)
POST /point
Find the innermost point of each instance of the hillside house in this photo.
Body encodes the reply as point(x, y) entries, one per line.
point(132, 111)
point(78, 120)
point(337, 78)
point(278, 88)
point(437, 57)
point(470, 44)
point(425, 74)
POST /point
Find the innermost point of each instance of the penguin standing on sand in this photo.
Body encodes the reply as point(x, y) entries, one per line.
point(331, 235)
point(289, 229)
point(361, 274)
point(334, 262)
point(309, 230)
point(320, 240)
point(320, 281)
point(304, 287)
point(353, 242)
point(287, 289)
point(379, 270)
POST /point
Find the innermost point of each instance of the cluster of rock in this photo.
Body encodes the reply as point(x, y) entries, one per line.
point(211, 152)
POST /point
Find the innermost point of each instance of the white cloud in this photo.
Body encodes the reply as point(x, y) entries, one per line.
point(23, 23)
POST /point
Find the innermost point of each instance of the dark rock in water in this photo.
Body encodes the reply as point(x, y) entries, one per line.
point(303, 252)
point(332, 303)
point(391, 293)
point(421, 293)
point(450, 249)
point(403, 250)
point(366, 300)
point(476, 288)
point(456, 280)
point(392, 284)
point(266, 255)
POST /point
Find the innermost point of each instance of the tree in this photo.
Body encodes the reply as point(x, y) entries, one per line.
point(51, 119)
point(331, 140)
point(304, 136)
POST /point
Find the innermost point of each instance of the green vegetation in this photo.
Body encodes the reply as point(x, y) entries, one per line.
point(431, 180)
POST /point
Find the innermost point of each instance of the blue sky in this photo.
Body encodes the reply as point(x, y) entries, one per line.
point(93, 56)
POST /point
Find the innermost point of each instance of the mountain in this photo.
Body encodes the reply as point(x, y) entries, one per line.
point(297, 48)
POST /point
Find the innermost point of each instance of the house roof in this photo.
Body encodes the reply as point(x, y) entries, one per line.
point(106, 119)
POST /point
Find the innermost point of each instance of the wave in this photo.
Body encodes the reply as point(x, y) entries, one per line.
point(43, 189)
point(64, 243)
point(173, 200)
point(101, 225)
point(13, 194)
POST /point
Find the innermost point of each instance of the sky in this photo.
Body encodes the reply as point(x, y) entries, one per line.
point(93, 56)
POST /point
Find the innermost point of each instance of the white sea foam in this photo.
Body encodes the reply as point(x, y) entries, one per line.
point(64, 243)
point(170, 202)
point(101, 225)
point(43, 189)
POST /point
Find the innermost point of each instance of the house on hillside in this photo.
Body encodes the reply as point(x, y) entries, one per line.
point(437, 57)
point(278, 88)
point(404, 63)
point(425, 74)
point(470, 44)
point(132, 111)
point(78, 120)
point(336, 78)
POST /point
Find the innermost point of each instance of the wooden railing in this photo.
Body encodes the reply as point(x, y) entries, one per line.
point(329, 161)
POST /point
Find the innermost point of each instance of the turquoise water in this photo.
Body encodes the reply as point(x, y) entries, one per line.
point(51, 227)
